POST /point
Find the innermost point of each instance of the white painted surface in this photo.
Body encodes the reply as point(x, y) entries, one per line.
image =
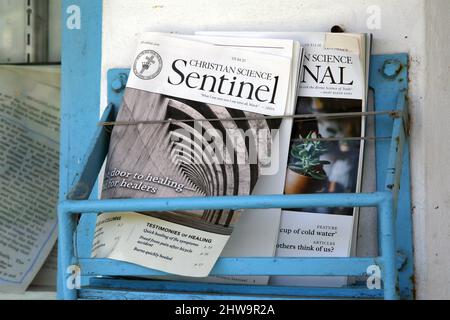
point(403, 29)
point(433, 220)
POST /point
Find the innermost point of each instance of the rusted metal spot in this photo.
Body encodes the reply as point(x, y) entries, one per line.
point(391, 69)
point(80, 192)
point(402, 260)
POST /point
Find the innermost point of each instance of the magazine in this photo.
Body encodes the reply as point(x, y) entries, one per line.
point(334, 80)
point(192, 124)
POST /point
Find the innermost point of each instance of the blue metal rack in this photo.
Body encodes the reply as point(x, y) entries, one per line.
point(84, 147)
point(389, 81)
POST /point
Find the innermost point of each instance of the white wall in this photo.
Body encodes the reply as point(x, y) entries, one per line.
point(433, 220)
point(403, 29)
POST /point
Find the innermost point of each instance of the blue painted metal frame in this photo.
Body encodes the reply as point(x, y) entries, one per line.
point(81, 87)
point(391, 90)
point(80, 97)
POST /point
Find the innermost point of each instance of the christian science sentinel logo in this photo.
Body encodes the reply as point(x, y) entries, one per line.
point(148, 65)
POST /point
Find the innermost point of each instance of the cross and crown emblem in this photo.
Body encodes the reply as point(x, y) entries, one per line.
point(147, 63)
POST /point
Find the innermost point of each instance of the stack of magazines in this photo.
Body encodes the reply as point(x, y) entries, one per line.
point(236, 114)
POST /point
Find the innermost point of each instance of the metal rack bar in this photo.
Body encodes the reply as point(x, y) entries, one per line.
point(246, 267)
point(224, 289)
point(227, 202)
point(298, 117)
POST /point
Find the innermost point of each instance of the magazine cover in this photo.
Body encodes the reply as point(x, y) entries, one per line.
point(326, 155)
point(191, 125)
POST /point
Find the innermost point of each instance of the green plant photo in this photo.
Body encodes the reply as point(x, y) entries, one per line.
point(305, 171)
point(305, 157)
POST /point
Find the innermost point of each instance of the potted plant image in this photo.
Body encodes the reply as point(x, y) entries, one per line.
point(305, 172)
